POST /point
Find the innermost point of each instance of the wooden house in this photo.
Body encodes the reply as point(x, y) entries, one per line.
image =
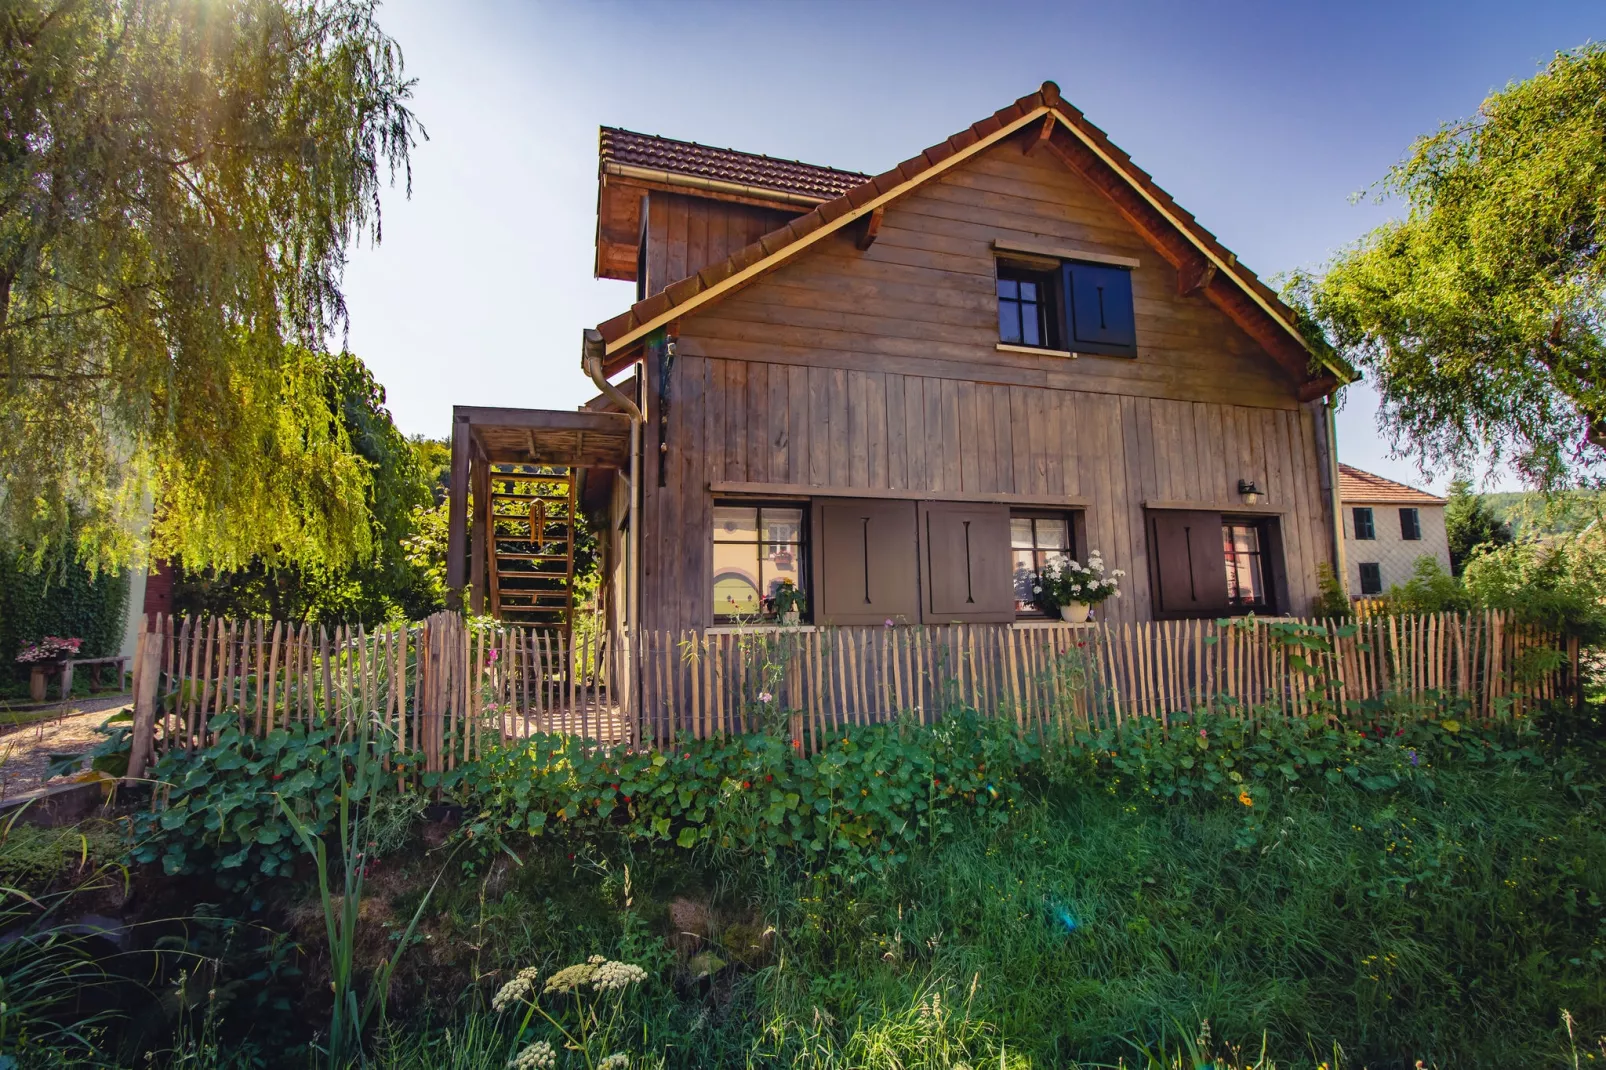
point(903, 392)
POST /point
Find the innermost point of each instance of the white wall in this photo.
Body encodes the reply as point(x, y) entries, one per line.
point(1395, 557)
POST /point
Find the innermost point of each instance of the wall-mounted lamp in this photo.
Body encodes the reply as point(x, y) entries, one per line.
point(1250, 492)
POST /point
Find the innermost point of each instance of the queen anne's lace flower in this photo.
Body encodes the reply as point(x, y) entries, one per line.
point(571, 977)
point(520, 988)
point(617, 1061)
point(538, 1056)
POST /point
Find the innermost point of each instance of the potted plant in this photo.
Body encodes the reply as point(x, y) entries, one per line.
point(785, 601)
point(1072, 589)
point(46, 657)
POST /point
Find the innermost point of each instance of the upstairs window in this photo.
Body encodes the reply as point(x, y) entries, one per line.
point(1363, 523)
point(1026, 307)
point(1410, 525)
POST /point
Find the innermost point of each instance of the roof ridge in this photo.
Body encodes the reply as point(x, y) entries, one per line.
point(1362, 476)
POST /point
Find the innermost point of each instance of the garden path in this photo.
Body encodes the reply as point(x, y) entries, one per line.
point(25, 751)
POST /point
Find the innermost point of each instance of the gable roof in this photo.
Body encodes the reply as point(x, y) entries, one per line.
point(1356, 485)
point(625, 152)
point(1085, 148)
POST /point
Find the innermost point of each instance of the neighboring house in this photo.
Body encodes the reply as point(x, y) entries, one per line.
point(906, 392)
point(1387, 527)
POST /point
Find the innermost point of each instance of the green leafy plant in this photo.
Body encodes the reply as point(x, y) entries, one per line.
point(357, 796)
point(858, 806)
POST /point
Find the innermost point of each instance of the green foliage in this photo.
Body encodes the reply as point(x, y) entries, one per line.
point(858, 807)
point(219, 156)
point(1478, 316)
point(1470, 522)
point(1429, 590)
point(1331, 601)
point(67, 600)
point(396, 582)
point(232, 809)
point(1558, 583)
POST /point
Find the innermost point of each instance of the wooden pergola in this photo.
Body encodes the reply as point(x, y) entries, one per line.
point(518, 444)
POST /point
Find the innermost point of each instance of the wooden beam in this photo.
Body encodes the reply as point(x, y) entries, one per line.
point(802, 490)
point(1194, 276)
point(480, 480)
point(457, 513)
point(1318, 387)
point(1044, 132)
point(869, 227)
point(544, 419)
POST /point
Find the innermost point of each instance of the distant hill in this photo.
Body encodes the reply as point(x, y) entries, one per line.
point(1529, 513)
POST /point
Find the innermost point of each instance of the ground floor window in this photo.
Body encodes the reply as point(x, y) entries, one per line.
point(756, 549)
point(1035, 539)
point(1246, 572)
point(1371, 577)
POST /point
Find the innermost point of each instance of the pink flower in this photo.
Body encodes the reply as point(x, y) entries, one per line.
point(1203, 734)
point(765, 696)
point(495, 653)
point(889, 622)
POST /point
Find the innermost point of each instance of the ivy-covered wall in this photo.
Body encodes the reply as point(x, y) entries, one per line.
point(64, 600)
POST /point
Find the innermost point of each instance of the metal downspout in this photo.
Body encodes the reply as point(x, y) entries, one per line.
point(1340, 565)
point(592, 349)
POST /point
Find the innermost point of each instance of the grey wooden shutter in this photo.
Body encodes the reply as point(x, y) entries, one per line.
point(865, 561)
point(1190, 569)
point(965, 563)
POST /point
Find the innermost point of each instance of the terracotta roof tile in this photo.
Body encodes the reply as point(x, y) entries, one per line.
point(1355, 485)
point(725, 165)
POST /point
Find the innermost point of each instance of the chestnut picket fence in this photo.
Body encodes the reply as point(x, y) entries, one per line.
point(448, 687)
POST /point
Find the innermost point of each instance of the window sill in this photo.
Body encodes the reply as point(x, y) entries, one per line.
point(758, 629)
point(1036, 351)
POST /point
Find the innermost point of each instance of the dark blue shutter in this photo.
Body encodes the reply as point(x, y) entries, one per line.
point(1100, 302)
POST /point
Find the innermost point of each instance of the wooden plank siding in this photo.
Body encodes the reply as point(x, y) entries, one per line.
point(855, 372)
point(685, 234)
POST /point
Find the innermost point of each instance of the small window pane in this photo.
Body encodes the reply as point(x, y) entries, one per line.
point(1029, 329)
point(1009, 322)
point(1028, 291)
point(736, 579)
point(1008, 288)
point(1053, 534)
point(783, 525)
point(734, 523)
point(1020, 532)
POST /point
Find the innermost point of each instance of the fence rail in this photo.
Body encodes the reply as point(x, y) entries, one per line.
point(446, 686)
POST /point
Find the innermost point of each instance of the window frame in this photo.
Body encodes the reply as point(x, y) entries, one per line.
point(1050, 320)
point(1075, 536)
point(1263, 541)
point(805, 553)
point(1413, 532)
point(1371, 523)
point(1377, 572)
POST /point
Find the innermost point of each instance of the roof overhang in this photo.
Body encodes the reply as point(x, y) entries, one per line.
point(547, 436)
point(1243, 297)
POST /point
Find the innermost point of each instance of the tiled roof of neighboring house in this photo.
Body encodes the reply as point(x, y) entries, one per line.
point(1250, 302)
point(725, 165)
point(1355, 485)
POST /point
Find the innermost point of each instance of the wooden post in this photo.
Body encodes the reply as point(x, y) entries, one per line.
point(457, 514)
point(148, 670)
point(482, 542)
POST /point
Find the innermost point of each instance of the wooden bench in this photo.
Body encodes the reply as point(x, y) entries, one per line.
point(94, 664)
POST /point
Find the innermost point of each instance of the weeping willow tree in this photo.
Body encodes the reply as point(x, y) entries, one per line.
point(1481, 314)
point(180, 181)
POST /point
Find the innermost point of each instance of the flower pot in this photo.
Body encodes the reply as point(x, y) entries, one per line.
point(791, 617)
point(1075, 613)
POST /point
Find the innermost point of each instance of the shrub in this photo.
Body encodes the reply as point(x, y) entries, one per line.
point(859, 805)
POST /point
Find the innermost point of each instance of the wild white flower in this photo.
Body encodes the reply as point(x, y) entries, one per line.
point(617, 1061)
point(538, 1056)
point(1119, 573)
point(516, 990)
point(617, 976)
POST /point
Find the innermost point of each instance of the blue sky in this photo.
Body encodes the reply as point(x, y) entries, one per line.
point(1262, 119)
